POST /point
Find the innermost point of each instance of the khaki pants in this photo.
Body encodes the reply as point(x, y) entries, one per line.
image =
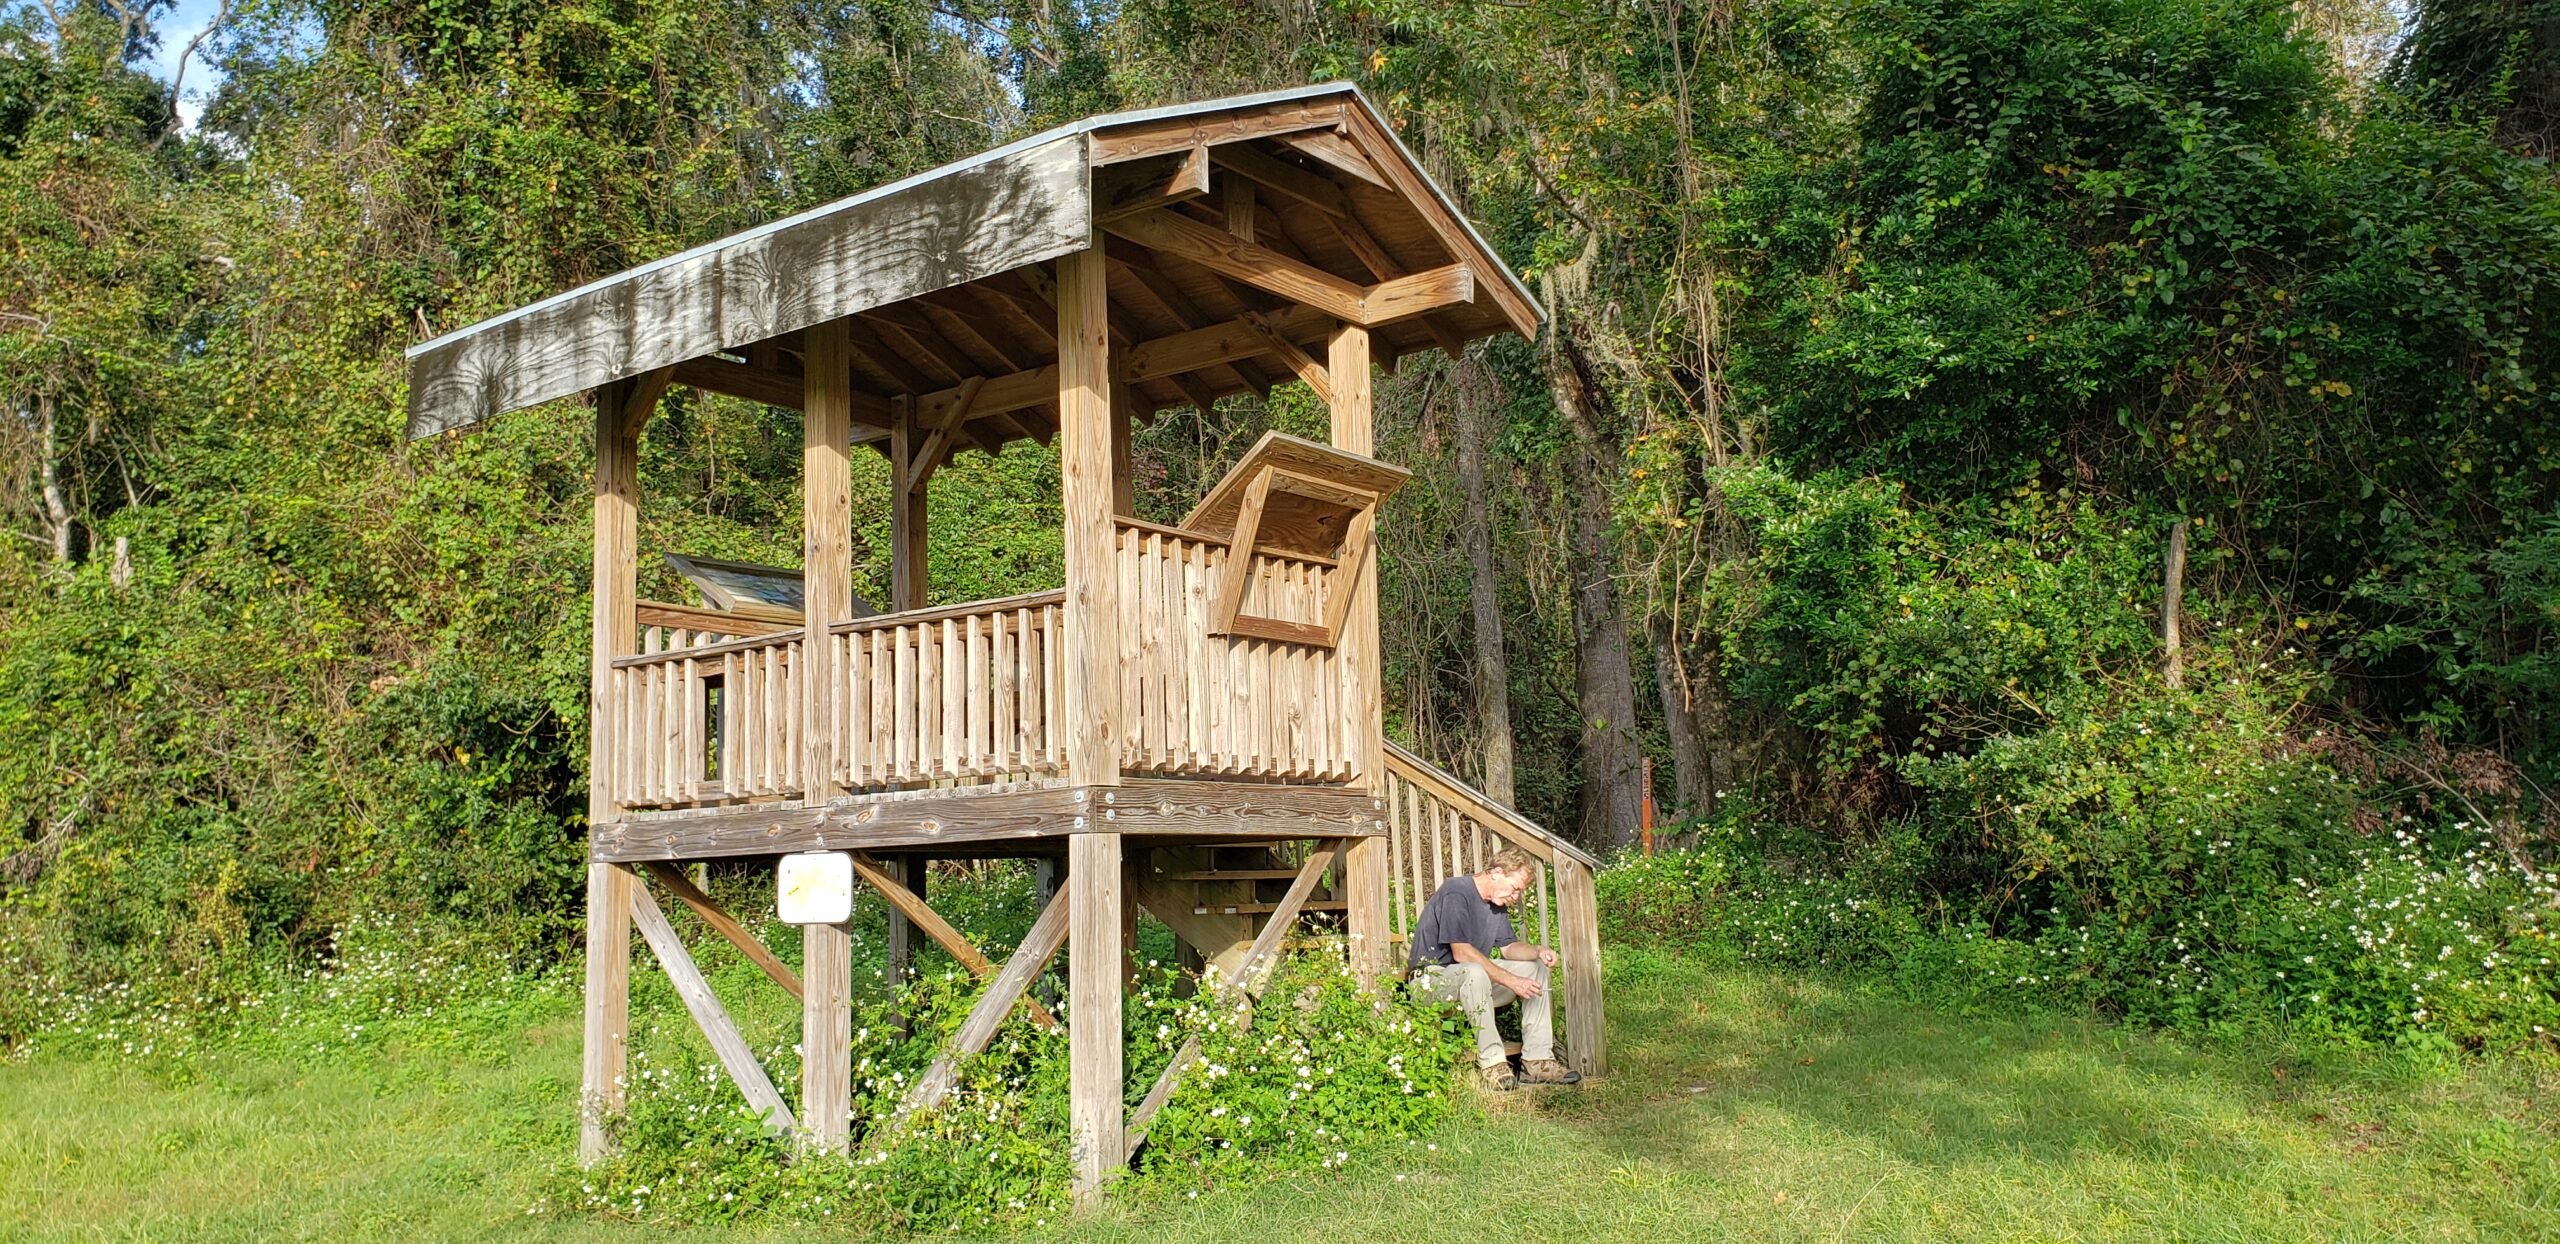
point(1475, 993)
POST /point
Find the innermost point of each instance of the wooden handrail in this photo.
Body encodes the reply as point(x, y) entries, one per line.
point(939, 613)
point(1509, 825)
point(708, 651)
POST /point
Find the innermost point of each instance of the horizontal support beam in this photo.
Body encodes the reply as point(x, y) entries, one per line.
point(1139, 140)
point(1172, 355)
point(713, 374)
point(1121, 189)
point(998, 817)
point(1211, 247)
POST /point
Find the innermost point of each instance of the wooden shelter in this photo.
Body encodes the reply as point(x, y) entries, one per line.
point(1188, 693)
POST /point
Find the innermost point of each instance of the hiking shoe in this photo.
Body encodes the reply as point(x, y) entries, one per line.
point(1549, 1071)
point(1497, 1077)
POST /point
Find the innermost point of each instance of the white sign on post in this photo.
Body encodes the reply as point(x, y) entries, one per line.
point(815, 887)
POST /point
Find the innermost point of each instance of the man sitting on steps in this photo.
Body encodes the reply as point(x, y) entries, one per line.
point(1465, 951)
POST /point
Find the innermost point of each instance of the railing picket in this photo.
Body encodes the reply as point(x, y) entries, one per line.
point(902, 744)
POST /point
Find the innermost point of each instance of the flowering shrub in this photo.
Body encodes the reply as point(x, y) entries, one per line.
point(1319, 1073)
point(1311, 1076)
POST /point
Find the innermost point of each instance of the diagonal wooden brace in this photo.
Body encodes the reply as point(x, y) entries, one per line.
point(924, 917)
point(740, 1061)
point(1047, 934)
point(672, 877)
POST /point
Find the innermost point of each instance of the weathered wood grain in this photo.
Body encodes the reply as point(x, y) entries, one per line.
point(946, 228)
point(1094, 996)
point(622, 409)
point(1091, 617)
point(826, 1015)
point(1578, 919)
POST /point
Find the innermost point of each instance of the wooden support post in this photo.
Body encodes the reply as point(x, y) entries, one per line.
point(731, 1048)
point(908, 470)
point(1364, 865)
point(622, 410)
point(1090, 623)
point(1093, 1010)
point(1045, 872)
point(908, 873)
point(1090, 626)
point(1124, 483)
point(2173, 594)
point(826, 1008)
point(1578, 918)
point(683, 887)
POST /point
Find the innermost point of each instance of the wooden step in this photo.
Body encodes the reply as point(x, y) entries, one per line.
point(1233, 874)
point(1264, 909)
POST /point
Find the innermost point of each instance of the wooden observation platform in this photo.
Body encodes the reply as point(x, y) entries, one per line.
point(1189, 694)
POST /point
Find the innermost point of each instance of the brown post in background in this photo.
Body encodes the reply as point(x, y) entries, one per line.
point(1644, 826)
point(826, 1006)
point(1090, 643)
point(909, 583)
point(2173, 599)
point(1364, 865)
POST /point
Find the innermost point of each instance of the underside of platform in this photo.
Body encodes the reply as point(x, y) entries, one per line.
point(1016, 818)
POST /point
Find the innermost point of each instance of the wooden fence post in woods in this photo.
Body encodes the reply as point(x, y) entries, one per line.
point(2173, 593)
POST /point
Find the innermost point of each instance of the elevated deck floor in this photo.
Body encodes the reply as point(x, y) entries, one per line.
point(1015, 818)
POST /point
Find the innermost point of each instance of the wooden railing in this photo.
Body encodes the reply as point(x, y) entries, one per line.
point(710, 710)
point(1196, 703)
point(1439, 827)
point(711, 707)
point(965, 692)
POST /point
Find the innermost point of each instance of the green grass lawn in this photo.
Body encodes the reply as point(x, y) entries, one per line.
point(1744, 1106)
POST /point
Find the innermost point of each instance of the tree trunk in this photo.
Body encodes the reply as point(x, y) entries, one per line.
point(1612, 763)
point(1692, 769)
point(57, 506)
point(1492, 668)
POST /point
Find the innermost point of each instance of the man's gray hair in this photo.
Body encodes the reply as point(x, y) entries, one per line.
point(1512, 860)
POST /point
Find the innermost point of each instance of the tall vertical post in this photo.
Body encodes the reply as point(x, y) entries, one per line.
point(1094, 993)
point(1124, 479)
point(619, 418)
point(826, 1014)
point(908, 586)
point(1091, 626)
point(907, 577)
point(1364, 865)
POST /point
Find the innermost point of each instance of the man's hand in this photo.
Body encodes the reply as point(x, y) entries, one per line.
point(1520, 985)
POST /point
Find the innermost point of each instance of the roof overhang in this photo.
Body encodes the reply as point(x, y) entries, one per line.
point(994, 214)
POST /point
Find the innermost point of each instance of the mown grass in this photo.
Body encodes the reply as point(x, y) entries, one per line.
point(1745, 1106)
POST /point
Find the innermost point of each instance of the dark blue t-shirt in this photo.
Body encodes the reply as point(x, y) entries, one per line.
point(1457, 913)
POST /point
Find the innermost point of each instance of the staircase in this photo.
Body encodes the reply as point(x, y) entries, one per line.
point(1218, 898)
